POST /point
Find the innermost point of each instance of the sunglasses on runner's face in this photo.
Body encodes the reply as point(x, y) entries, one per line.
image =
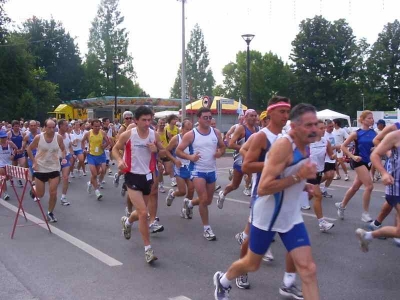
point(207, 118)
point(128, 118)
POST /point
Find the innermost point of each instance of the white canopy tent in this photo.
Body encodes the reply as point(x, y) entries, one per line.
point(330, 114)
point(166, 113)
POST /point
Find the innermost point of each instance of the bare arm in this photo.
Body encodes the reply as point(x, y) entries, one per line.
point(280, 156)
point(33, 146)
point(25, 141)
point(119, 146)
point(245, 147)
point(173, 143)
point(221, 145)
point(106, 139)
point(250, 160)
point(352, 137)
point(329, 150)
point(237, 135)
point(383, 133)
point(186, 141)
point(229, 133)
point(61, 145)
point(84, 140)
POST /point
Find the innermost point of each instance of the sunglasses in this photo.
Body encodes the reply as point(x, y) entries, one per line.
point(207, 118)
point(128, 118)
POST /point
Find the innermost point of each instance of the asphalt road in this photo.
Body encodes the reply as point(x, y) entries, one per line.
point(88, 257)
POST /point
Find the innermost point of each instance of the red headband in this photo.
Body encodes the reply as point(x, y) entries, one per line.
point(279, 104)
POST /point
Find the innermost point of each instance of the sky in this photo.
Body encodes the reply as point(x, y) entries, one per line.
point(155, 28)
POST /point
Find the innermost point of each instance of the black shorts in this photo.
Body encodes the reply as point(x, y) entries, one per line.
point(316, 181)
point(355, 164)
point(165, 159)
point(139, 182)
point(44, 177)
point(329, 167)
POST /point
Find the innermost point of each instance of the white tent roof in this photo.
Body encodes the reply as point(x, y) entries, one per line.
point(330, 114)
point(165, 113)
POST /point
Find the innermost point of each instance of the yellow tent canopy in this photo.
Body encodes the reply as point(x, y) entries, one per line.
point(193, 107)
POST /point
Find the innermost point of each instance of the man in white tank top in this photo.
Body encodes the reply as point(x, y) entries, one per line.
point(277, 208)
point(46, 164)
point(206, 146)
point(181, 169)
point(65, 168)
point(140, 145)
point(7, 151)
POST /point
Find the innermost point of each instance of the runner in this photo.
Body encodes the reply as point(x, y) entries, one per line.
point(166, 162)
point(65, 167)
point(46, 164)
point(340, 136)
point(96, 158)
point(182, 172)
point(283, 178)
point(138, 164)
point(240, 136)
point(361, 162)
point(330, 164)
point(76, 139)
point(28, 138)
point(7, 153)
point(207, 146)
point(229, 135)
point(16, 137)
point(318, 151)
point(391, 178)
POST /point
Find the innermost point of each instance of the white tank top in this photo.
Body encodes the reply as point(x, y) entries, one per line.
point(77, 138)
point(67, 142)
point(5, 155)
point(185, 162)
point(281, 211)
point(137, 155)
point(318, 152)
point(47, 156)
point(206, 145)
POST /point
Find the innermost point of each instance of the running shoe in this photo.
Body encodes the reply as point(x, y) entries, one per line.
point(221, 199)
point(360, 233)
point(51, 218)
point(124, 189)
point(127, 212)
point(396, 241)
point(98, 194)
point(340, 210)
point(20, 183)
point(230, 174)
point(221, 292)
point(346, 177)
point(242, 282)
point(89, 188)
point(125, 228)
point(116, 180)
point(247, 192)
point(155, 227)
point(64, 201)
point(325, 226)
point(187, 212)
point(161, 188)
point(337, 177)
point(365, 217)
point(268, 256)
point(239, 238)
point(170, 197)
point(173, 182)
point(293, 292)
point(306, 207)
point(149, 256)
point(6, 196)
point(326, 195)
point(209, 235)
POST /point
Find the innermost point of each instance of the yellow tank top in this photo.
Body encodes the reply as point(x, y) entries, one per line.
point(95, 142)
point(174, 131)
point(163, 138)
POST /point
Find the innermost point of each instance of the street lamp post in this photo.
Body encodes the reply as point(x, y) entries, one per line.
point(115, 62)
point(248, 38)
point(363, 101)
point(183, 68)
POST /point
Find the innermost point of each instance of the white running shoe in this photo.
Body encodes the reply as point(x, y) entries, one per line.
point(365, 217)
point(324, 225)
point(306, 207)
point(209, 235)
point(340, 210)
point(89, 188)
point(268, 256)
point(396, 241)
point(247, 192)
point(161, 188)
point(346, 177)
point(230, 174)
point(360, 233)
point(221, 199)
point(170, 197)
point(173, 182)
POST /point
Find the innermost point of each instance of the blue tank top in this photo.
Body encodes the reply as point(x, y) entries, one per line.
point(393, 168)
point(17, 139)
point(364, 144)
point(30, 140)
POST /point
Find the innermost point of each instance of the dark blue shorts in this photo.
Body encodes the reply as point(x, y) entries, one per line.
point(209, 177)
point(237, 168)
point(260, 240)
point(183, 172)
point(18, 156)
point(68, 164)
point(96, 160)
point(78, 152)
point(392, 200)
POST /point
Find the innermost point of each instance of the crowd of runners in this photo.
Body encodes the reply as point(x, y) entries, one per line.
point(282, 168)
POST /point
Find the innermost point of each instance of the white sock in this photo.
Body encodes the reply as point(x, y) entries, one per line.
point(321, 220)
point(127, 223)
point(368, 236)
point(207, 227)
point(224, 281)
point(97, 191)
point(289, 279)
point(323, 188)
point(245, 235)
point(190, 205)
point(147, 247)
point(63, 196)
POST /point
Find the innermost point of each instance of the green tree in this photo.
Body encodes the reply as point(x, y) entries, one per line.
point(199, 77)
point(383, 67)
point(57, 53)
point(108, 42)
point(324, 59)
point(4, 20)
point(269, 76)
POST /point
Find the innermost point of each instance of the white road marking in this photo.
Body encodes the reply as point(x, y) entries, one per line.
point(108, 260)
point(248, 203)
point(180, 298)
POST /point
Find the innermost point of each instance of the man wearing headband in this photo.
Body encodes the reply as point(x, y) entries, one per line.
point(240, 136)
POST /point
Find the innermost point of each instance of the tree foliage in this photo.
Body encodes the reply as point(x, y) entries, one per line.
point(4, 20)
point(199, 77)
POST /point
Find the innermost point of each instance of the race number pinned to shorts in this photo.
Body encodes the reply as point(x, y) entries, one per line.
point(96, 149)
point(149, 177)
